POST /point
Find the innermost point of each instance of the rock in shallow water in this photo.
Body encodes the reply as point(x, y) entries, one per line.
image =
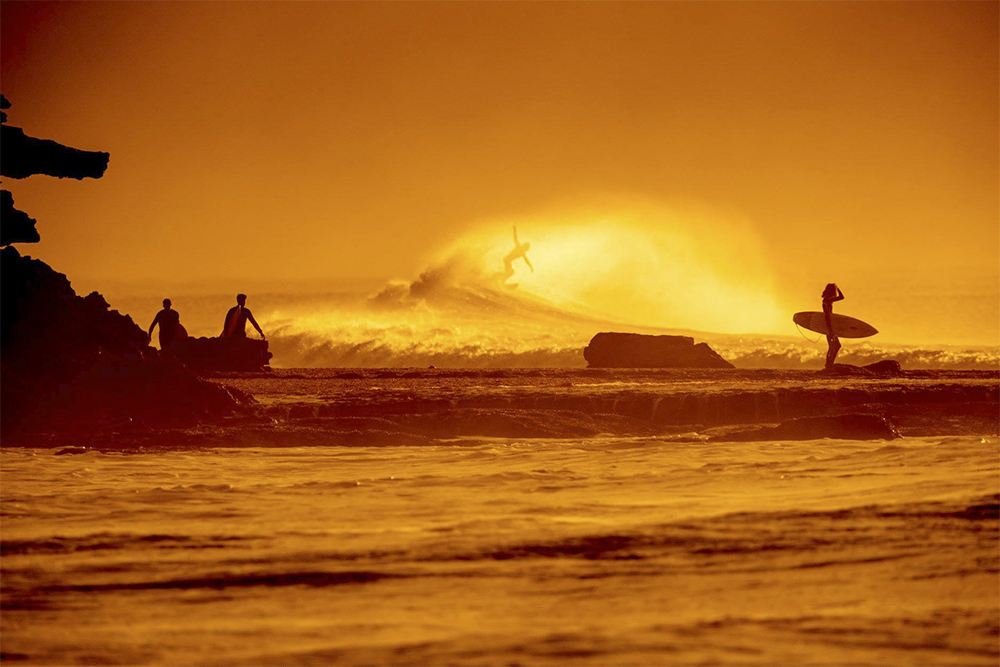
point(629, 350)
point(885, 367)
point(223, 354)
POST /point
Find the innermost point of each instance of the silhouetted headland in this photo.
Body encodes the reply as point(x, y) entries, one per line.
point(70, 364)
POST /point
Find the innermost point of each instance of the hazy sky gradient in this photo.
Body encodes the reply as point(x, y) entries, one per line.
point(339, 141)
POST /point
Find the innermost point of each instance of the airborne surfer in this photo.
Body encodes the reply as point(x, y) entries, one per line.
point(831, 294)
point(520, 251)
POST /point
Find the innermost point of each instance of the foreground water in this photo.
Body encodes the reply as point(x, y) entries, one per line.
point(604, 549)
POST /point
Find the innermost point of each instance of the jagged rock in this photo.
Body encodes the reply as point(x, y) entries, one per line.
point(15, 226)
point(629, 350)
point(223, 354)
point(152, 392)
point(67, 361)
point(24, 156)
point(885, 367)
point(45, 325)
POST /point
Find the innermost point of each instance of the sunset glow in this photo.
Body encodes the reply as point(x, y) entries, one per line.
point(580, 333)
point(336, 142)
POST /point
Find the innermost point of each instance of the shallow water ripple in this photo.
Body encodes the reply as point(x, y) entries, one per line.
point(597, 551)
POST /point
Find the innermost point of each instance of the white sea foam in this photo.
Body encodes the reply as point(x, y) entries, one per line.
point(462, 312)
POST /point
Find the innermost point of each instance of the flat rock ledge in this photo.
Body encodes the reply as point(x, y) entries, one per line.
point(630, 350)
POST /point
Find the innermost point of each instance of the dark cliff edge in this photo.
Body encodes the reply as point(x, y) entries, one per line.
point(70, 365)
point(17, 226)
point(25, 156)
point(630, 350)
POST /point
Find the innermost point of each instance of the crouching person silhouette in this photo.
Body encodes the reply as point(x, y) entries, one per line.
point(171, 329)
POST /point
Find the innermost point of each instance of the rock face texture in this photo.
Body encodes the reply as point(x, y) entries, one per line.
point(223, 354)
point(70, 365)
point(629, 350)
point(885, 367)
point(69, 362)
point(24, 156)
point(17, 226)
point(45, 325)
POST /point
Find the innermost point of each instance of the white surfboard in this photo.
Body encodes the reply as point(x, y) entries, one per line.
point(843, 326)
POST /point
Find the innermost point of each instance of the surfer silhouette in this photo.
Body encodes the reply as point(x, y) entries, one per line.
point(831, 294)
point(171, 329)
point(236, 320)
point(520, 251)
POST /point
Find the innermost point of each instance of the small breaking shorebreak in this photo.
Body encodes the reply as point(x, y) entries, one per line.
point(412, 407)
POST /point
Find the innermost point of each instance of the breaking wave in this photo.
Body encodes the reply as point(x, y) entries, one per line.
point(377, 348)
point(642, 269)
point(459, 315)
point(794, 355)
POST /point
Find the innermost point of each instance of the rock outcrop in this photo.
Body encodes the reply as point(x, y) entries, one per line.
point(16, 226)
point(46, 326)
point(224, 354)
point(629, 350)
point(885, 367)
point(70, 362)
point(24, 156)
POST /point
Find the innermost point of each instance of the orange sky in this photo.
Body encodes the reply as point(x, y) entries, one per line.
point(341, 141)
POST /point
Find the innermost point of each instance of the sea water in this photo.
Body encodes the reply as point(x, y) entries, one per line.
point(598, 550)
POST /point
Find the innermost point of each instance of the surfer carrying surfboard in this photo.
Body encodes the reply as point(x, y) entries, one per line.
point(236, 320)
point(171, 328)
point(832, 325)
point(831, 294)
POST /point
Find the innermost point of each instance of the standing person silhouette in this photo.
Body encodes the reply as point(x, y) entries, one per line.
point(236, 320)
point(170, 327)
point(519, 252)
point(831, 294)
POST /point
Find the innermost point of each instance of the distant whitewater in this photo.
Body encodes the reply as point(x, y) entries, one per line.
point(435, 322)
point(464, 312)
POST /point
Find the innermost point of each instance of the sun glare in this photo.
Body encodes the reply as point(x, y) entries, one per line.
point(643, 264)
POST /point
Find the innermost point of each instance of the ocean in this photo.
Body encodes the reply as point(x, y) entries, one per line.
point(517, 517)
